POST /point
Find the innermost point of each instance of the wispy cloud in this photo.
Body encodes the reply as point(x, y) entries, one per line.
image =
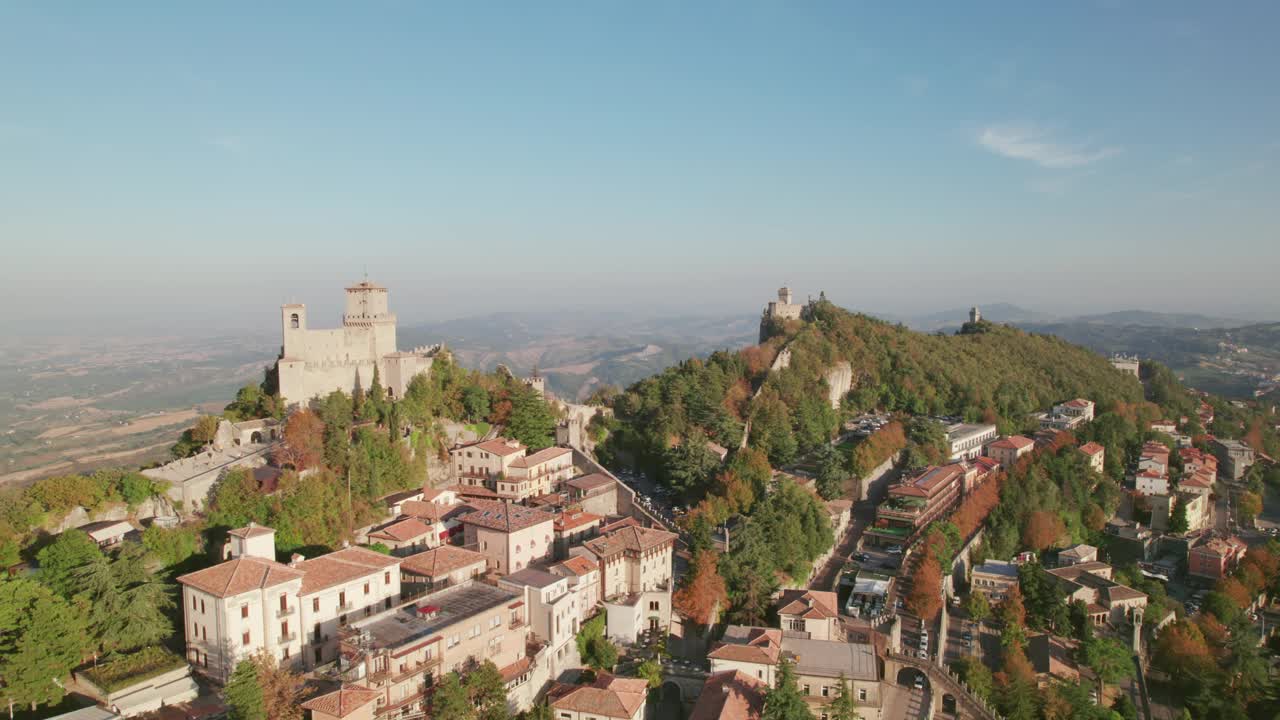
point(1038, 146)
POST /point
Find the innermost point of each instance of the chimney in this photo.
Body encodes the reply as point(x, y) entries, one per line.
point(296, 559)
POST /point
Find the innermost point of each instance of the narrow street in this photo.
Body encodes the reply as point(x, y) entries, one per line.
point(864, 513)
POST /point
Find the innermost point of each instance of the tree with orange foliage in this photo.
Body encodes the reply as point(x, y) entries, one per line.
point(703, 596)
point(303, 444)
point(1182, 652)
point(1236, 592)
point(925, 598)
point(1011, 610)
point(1042, 530)
point(977, 505)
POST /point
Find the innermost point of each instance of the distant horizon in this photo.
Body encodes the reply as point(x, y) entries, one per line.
point(174, 168)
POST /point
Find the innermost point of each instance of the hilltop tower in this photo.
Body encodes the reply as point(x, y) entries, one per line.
point(316, 362)
point(975, 315)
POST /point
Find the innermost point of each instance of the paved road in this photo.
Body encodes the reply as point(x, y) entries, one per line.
point(864, 513)
point(901, 703)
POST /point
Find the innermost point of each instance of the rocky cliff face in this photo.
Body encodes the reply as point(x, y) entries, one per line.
point(839, 381)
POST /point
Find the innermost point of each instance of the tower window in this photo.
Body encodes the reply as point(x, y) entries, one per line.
point(293, 321)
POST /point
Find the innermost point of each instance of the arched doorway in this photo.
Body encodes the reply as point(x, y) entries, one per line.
point(949, 704)
point(256, 437)
point(670, 701)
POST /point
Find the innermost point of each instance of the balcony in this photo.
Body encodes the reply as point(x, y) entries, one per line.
point(387, 709)
point(347, 606)
point(286, 611)
point(417, 669)
point(286, 639)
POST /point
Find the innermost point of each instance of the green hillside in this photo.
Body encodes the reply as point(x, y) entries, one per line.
point(987, 373)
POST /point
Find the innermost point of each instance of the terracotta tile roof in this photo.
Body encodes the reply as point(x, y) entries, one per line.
point(240, 575)
point(429, 511)
point(1118, 592)
point(542, 456)
point(576, 565)
point(1091, 448)
point(619, 524)
point(609, 696)
point(342, 566)
point(402, 530)
point(250, 531)
point(473, 491)
point(399, 497)
point(496, 446)
point(441, 561)
point(633, 538)
point(730, 695)
point(809, 604)
point(505, 516)
point(1078, 403)
point(344, 701)
point(569, 521)
point(516, 669)
point(749, 644)
point(1198, 480)
point(1015, 442)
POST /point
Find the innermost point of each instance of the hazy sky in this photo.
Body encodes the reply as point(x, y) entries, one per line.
point(175, 165)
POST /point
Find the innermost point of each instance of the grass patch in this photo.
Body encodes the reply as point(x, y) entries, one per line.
point(480, 429)
point(121, 671)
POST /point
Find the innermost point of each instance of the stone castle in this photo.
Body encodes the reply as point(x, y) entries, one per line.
point(316, 362)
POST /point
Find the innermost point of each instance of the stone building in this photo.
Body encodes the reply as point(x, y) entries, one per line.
point(316, 362)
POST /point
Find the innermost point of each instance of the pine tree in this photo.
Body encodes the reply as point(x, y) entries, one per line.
point(531, 421)
point(784, 701)
point(450, 700)
point(843, 707)
point(70, 550)
point(243, 693)
point(41, 639)
point(376, 403)
point(126, 602)
point(488, 692)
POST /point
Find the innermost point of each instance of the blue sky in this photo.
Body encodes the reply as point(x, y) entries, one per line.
point(160, 160)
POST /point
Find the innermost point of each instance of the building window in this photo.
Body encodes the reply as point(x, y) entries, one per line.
point(315, 604)
point(193, 602)
point(284, 602)
point(202, 606)
point(826, 691)
point(319, 654)
point(653, 605)
point(293, 321)
point(386, 577)
point(204, 633)
point(806, 689)
point(244, 639)
point(366, 588)
point(862, 694)
point(342, 599)
point(284, 654)
point(244, 611)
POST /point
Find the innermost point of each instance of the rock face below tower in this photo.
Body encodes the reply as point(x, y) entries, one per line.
point(316, 362)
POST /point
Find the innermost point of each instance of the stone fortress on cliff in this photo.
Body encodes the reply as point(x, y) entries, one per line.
point(316, 362)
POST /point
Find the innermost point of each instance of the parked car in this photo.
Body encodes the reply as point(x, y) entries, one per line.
point(919, 681)
point(894, 550)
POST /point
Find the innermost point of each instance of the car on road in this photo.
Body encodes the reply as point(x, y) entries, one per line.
point(919, 681)
point(968, 643)
point(968, 635)
point(894, 550)
point(861, 557)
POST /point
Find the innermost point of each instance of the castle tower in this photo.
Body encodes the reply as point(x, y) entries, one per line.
point(293, 326)
point(975, 315)
point(784, 295)
point(367, 308)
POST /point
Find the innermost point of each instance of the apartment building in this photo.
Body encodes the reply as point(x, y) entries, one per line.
point(293, 611)
point(1095, 454)
point(1077, 554)
point(573, 527)
point(1235, 457)
point(1151, 482)
point(1006, 451)
point(596, 493)
point(553, 614)
point(811, 613)
point(993, 578)
point(401, 653)
point(536, 474)
point(1215, 557)
point(440, 568)
point(405, 536)
point(635, 579)
point(510, 536)
point(482, 463)
point(730, 695)
point(583, 574)
point(914, 503)
point(965, 441)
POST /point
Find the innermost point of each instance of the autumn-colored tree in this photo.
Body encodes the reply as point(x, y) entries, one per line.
point(703, 596)
point(1094, 518)
point(1181, 651)
point(1015, 665)
point(205, 429)
point(303, 445)
point(878, 447)
point(925, 598)
point(1236, 591)
point(1042, 530)
point(1011, 610)
point(977, 505)
point(1248, 505)
point(758, 357)
point(281, 688)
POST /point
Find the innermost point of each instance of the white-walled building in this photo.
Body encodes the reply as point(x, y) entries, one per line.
point(553, 614)
point(584, 579)
point(1006, 451)
point(510, 536)
point(965, 441)
point(635, 579)
point(293, 611)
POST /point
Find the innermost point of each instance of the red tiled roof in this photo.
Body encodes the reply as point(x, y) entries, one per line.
point(542, 456)
point(609, 696)
point(250, 531)
point(809, 604)
point(343, 701)
point(496, 446)
point(1091, 448)
point(402, 530)
point(342, 566)
point(1014, 442)
point(730, 695)
point(441, 561)
point(569, 521)
point(634, 538)
point(578, 565)
point(589, 482)
point(240, 576)
point(504, 516)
